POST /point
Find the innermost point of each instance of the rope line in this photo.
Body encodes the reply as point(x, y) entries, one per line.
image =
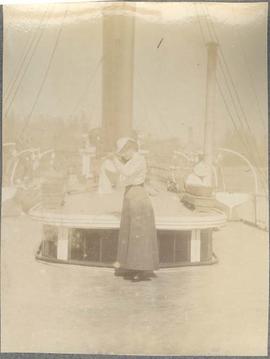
point(251, 80)
point(243, 139)
point(222, 94)
point(22, 61)
point(44, 78)
point(24, 72)
point(245, 120)
point(256, 156)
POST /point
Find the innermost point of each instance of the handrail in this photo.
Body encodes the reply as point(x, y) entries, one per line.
point(45, 153)
point(182, 154)
point(253, 170)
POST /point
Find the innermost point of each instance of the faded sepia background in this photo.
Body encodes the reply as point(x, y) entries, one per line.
point(52, 95)
point(169, 82)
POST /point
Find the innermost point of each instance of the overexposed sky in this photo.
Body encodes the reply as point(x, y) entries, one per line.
point(54, 50)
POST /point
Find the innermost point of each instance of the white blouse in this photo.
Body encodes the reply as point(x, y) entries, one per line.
point(134, 171)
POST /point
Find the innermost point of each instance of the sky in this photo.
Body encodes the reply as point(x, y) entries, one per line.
point(52, 65)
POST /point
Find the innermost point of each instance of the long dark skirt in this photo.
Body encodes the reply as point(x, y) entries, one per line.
point(137, 248)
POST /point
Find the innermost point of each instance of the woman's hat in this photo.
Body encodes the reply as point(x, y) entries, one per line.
point(122, 142)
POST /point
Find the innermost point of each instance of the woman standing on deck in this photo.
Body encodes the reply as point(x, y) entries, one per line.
point(137, 256)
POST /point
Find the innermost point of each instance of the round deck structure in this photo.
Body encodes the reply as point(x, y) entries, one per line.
point(85, 230)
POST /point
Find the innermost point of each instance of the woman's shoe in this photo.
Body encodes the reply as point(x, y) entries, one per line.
point(151, 274)
point(129, 274)
point(120, 272)
point(141, 276)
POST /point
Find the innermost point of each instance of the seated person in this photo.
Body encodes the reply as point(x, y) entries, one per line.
point(199, 181)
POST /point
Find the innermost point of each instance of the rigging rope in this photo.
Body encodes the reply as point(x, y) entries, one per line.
point(27, 121)
point(203, 37)
point(252, 85)
point(236, 127)
point(22, 61)
point(244, 140)
point(222, 93)
point(24, 71)
point(245, 120)
point(256, 157)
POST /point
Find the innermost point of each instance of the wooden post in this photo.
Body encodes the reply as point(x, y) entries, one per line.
point(117, 80)
point(195, 246)
point(62, 244)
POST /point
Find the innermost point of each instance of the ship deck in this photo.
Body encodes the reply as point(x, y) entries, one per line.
point(94, 210)
point(205, 310)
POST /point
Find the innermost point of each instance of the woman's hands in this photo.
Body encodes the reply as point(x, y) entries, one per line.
point(113, 156)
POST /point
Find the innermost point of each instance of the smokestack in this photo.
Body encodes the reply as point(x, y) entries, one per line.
point(117, 81)
point(210, 102)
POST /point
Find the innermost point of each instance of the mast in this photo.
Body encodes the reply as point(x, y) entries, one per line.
point(212, 49)
point(117, 75)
